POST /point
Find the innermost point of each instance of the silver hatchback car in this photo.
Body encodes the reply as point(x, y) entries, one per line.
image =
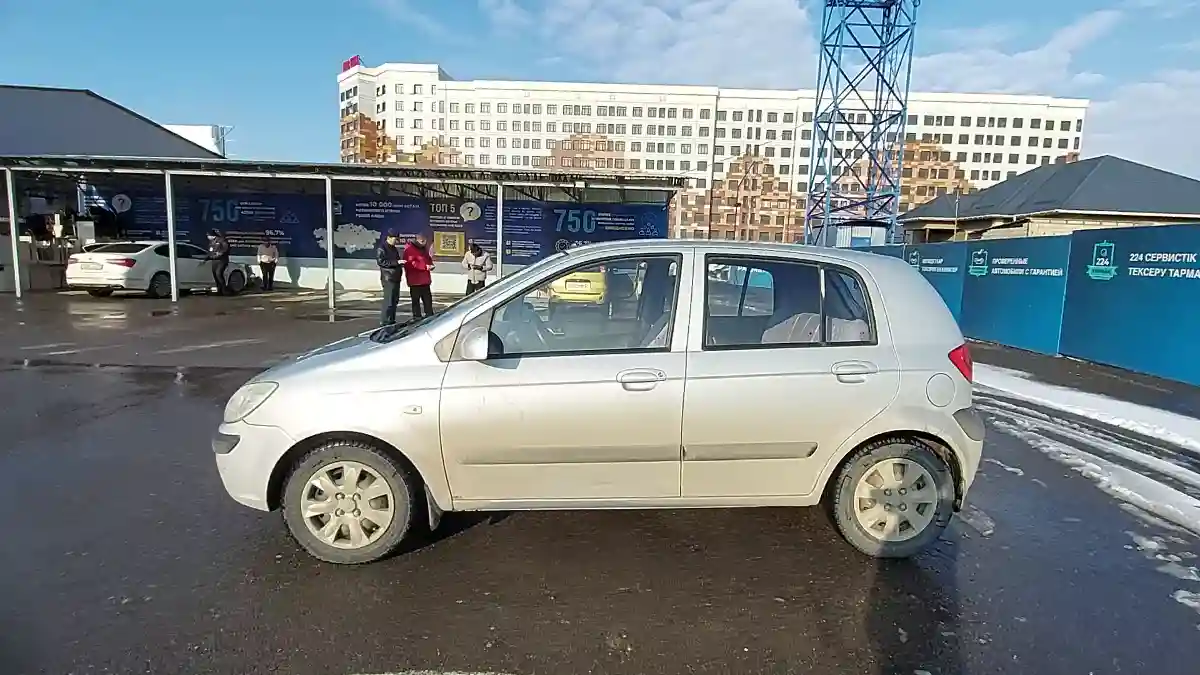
point(673, 374)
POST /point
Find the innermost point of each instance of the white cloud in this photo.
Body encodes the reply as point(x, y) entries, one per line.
point(755, 43)
point(771, 43)
point(1163, 9)
point(1042, 69)
point(1150, 122)
point(505, 13)
point(405, 12)
point(981, 36)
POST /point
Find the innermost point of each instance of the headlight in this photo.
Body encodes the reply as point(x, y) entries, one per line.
point(247, 399)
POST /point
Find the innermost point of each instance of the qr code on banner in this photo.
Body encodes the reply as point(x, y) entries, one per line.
point(449, 243)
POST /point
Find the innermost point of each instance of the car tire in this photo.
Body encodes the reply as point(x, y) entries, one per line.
point(160, 286)
point(930, 504)
point(100, 292)
point(403, 486)
point(236, 282)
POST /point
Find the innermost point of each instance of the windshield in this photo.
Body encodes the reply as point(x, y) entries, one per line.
point(397, 331)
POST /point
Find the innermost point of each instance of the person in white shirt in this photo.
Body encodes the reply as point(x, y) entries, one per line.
point(268, 259)
point(478, 263)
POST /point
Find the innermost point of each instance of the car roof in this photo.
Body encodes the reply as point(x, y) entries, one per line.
point(880, 265)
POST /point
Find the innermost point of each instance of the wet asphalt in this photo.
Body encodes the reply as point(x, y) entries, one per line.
point(123, 554)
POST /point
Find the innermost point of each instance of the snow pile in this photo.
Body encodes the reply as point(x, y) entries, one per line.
point(1152, 422)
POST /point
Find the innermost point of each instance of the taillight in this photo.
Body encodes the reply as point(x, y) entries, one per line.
point(960, 356)
point(123, 262)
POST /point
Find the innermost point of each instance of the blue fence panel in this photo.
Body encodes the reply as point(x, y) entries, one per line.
point(1133, 300)
point(943, 265)
point(1014, 291)
point(894, 251)
point(532, 230)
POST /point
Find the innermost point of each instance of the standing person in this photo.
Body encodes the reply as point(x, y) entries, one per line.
point(417, 265)
point(268, 259)
point(478, 263)
point(391, 271)
point(218, 253)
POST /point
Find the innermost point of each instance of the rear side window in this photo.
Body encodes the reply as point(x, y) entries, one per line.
point(765, 302)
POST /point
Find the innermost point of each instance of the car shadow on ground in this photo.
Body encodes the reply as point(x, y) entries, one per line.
point(698, 591)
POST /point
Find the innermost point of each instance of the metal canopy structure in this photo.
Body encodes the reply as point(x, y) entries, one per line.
point(860, 115)
point(415, 181)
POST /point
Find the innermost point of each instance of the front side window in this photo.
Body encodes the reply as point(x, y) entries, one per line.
point(619, 305)
point(764, 303)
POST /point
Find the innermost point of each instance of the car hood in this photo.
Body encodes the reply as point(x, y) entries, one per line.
point(333, 354)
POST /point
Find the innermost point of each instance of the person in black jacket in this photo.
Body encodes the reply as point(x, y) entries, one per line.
point(391, 271)
point(218, 253)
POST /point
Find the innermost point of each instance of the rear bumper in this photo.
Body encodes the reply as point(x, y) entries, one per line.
point(968, 437)
point(579, 298)
point(93, 283)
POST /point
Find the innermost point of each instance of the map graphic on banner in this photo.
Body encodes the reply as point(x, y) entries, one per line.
point(296, 222)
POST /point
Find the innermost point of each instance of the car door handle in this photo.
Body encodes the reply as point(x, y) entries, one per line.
point(640, 379)
point(852, 372)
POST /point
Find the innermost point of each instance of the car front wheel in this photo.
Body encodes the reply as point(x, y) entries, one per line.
point(349, 503)
point(893, 498)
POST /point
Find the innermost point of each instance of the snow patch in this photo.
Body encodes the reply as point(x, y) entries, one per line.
point(1124, 484)
point(977, 520)
point(1170, 427)
point(1035, 421)
point(1146, 543)
point(1187, 599)
point(1181, 572)
point(1011, 469)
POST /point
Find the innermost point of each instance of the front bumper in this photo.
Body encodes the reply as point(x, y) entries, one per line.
point(246, 456)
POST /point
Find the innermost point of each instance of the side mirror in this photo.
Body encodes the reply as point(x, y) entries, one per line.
point(477, 345)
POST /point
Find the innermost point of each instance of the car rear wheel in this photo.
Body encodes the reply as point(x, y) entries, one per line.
point(236, 282)
point(348, 503)
point(160, 286)
point(100, 292)
point(893, 498)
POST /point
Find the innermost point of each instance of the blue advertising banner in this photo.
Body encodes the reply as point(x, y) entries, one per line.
point(296, 223)
point(1133, 299)
point(942, 265)
point(532, 230)
point(1014, 291)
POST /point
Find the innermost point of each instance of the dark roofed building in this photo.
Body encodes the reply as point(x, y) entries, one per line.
point(48, 121)
point(1103, 191)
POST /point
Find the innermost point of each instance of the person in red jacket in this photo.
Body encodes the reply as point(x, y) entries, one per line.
point(417, 265)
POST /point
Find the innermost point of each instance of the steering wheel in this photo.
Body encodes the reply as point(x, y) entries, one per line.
point(524, 326)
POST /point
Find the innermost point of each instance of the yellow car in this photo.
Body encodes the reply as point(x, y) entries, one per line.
point(597, 287)
point(586, 287)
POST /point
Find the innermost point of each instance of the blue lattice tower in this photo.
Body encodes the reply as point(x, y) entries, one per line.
point(858, 121)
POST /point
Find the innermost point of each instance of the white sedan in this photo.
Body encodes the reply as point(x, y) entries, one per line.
point(145, 266)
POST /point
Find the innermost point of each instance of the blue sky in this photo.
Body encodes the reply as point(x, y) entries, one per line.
point(269, 67)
